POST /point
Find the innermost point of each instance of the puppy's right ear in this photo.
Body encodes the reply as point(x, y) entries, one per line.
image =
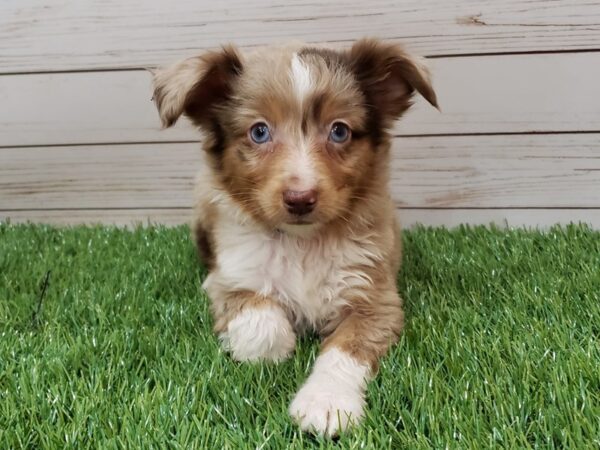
point(195, 86)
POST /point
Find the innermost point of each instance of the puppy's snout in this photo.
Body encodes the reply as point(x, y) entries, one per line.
point(300, 203)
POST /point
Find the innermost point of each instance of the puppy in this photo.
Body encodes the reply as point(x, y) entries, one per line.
point(293, 215)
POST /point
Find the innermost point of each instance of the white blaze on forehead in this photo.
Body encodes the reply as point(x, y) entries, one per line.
point(301, 79)
point(301, 164)
point(302, 168)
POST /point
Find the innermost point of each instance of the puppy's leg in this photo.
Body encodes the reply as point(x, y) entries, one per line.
point(333, 396)
point(253, 327)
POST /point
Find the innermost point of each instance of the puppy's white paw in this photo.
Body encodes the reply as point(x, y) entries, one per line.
point(332, 399)
point(324, 408)
point(263, 333)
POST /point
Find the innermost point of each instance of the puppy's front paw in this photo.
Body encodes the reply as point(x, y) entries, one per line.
point(262, 333)
point(332, 399)
point(323, 407)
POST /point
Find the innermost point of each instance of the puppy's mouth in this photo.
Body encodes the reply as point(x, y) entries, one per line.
point(300, 221)
point(300, 226)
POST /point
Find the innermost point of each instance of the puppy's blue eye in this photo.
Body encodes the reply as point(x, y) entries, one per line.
point(340, 133)
point(260, 133)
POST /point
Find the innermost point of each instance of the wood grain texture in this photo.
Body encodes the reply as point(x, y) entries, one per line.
point(39, 35)
point(71, 96)
point(488, 94)
point(555, 171)
point(131, 176)
point(534, 218)
point(121, 217)
point(538, 218)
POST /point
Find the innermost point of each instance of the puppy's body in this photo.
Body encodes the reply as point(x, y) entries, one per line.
point(310, 275)
point(293, 216)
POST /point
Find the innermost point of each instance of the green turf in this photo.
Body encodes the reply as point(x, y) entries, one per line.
point(501, 349)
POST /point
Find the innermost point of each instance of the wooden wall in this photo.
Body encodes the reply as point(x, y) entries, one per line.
point(517, 142)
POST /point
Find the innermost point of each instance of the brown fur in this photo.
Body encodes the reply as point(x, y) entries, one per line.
point(366, 87)
point(372, 321)
point(235, 302)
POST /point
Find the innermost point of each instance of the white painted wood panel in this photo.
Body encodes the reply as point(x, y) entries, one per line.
point(497, 171)
point(541, 218)
point(518, 141)
point(43, 35)
point(554, 171)
point(489, 94)
point(122, 217)
point(531, 218)
point(114, 176)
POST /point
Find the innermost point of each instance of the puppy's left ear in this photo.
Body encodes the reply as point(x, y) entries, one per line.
point(388, 75)
point(196, 86)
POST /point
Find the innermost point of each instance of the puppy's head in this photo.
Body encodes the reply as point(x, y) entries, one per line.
point(297, 135)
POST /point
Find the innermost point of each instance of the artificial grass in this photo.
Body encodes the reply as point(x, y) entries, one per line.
point(501, 348)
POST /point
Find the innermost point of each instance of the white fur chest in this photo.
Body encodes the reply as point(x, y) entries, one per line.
point(311, 276)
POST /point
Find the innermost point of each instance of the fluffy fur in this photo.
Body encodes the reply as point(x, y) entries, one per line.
point(274, 271)
point(259, 333)
point(333, 396)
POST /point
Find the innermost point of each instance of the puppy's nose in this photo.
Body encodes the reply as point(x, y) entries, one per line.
point(300, 203)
